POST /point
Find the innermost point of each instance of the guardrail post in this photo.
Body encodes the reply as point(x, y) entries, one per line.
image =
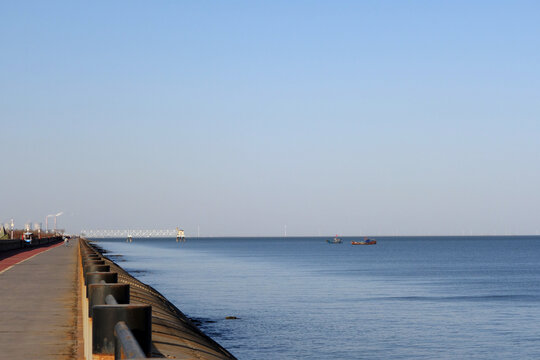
point(96, 277)
point(98, 292)
point(93, 261)
point(105, 317)
point(88, 268)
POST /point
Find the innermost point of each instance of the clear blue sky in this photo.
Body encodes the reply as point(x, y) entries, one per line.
point(348, 117)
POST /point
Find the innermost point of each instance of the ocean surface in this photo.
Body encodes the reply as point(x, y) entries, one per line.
point(302, 298)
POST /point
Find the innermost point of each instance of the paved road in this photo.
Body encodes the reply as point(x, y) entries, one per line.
point(38, 307)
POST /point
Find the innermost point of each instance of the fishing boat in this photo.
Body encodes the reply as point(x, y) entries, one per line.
point(335, 240)
point(366, 241)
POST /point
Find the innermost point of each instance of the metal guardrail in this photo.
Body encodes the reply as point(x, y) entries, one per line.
point(126, 347)
point(113, 317)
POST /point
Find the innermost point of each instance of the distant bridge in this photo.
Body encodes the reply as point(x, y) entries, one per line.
point(126, 233)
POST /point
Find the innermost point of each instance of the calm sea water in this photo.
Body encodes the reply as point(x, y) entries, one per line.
point(301, 298)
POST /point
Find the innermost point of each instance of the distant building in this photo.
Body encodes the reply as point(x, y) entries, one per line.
point(180, 234)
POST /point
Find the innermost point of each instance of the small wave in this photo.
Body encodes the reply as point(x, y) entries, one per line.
point(201, 321)
point(516, 297)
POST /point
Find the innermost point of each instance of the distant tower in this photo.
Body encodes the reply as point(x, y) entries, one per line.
point(180, 235)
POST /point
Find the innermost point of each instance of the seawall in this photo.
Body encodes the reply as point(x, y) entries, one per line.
point(173, 335)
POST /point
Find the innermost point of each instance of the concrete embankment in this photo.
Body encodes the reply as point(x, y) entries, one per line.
point(173, 335)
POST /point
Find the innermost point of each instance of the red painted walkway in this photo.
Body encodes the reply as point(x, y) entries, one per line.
point(13, 257)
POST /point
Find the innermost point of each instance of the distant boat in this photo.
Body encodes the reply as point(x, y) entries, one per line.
point(335, 240)
point(129, 238)
point(366, 241)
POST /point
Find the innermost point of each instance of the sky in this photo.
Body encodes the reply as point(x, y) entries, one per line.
point(241, 118)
